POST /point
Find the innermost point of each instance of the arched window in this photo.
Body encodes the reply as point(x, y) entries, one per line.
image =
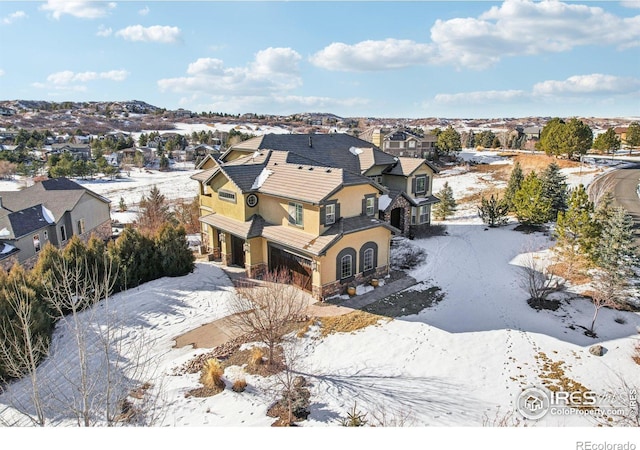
point(368, 257)
point(346, 264)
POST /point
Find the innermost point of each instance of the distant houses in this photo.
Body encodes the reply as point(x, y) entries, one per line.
point(49, 211)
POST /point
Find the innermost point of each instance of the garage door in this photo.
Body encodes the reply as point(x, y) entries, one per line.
point(297, 268)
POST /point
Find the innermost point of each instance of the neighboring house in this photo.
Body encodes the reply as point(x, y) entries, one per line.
point(404, 143)
point(49, 211)
point(78, 151)
point(310, 204)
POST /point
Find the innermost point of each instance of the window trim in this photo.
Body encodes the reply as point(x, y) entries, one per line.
point(349, 265)
point(365, 256)
point(422, 178)
point(331, 206)
point(347, 251)
point(366, 247)
point(372, 207)
point(81, 226)
point(298, 209)
point(423, 218)
point(227, 196)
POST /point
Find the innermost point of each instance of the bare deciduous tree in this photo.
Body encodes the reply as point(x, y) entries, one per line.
point(537, 280)
point(268, 309)
point(609, 290)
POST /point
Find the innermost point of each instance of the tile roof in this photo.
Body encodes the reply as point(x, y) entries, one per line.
point(405, 166)
point(249, 229)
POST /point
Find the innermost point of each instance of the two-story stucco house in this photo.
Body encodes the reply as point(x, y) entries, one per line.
point(49, 211)
point(307, 203)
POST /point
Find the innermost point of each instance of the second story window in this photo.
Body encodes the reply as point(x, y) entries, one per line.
point(421, 184)
point(81, 226)
point(370, 206)
point(227, 196)
point(330, 214)
point(296, 214)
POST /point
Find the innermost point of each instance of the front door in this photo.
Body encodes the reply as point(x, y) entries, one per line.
point(397, 218)
point(237, 251)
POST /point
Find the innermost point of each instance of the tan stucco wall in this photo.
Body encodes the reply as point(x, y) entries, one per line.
point(379, 235)
point(350, 199)
point(226, 208)
point(276, 211)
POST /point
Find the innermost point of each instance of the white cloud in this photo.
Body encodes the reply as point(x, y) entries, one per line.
point(373, 55)
point(522, 27)
point(70, 80)
point(84, 9)
point(156, 33)
point(630, 3)
point(273, 70)
point(144, 11)
point(104, 31)
point(9, 19)
point(516, 27)
point(2, 72)
point(593, 84)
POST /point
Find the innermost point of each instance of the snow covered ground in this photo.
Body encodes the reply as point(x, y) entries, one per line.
point(460, 363)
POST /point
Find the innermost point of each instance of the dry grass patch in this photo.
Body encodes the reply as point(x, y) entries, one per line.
point(239, 385)
point(348, 323)
point(636, 353)
point(500, 172)
point(476, 197)
point(554, 378)
point(540, 162)
point(575, 273)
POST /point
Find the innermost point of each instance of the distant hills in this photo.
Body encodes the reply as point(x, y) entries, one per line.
point(135, 115)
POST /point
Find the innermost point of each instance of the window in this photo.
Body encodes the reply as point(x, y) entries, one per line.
point(423, 212)
point(346, 266)
point(227, 196)
point(412, 144)
point(370, 205)
point(63, 233)
point(421, 184)
point(81, 226)
point(330, 214)
point(295, 214)
point(367, 259)
point(45, 235)
point(36, 243)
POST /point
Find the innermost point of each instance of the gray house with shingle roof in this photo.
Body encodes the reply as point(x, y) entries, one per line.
point(50, 211)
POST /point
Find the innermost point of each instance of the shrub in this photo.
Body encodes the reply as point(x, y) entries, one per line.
point(239, 385)
point(355, 418)
point(256, 358)
point(211, 375)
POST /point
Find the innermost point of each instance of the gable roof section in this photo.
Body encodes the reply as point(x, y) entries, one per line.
point(406, 166)
point(58, 195)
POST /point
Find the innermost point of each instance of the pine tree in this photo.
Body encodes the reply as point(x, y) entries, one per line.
point(554, 187)
point(154, 212)
point(447, 205)
point(616, 250)
point(515, 181)
point(530, 205)
point(493, 211)
point(176, 259)
point(122, 206)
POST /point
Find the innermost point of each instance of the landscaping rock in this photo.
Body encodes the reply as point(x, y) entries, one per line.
point(597, 350)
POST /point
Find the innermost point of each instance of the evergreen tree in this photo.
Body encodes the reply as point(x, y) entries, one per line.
point(135, 256)
point(633, 136)
point(607, 142)
point(176, 259)
point(448, 141)
point(513, 186)
point(530, 205)
point(154, 212)
point(554, 187)
point(616, 250)
point(493, 211)
point(576, 230)
point(122, 206)
point(447, 205)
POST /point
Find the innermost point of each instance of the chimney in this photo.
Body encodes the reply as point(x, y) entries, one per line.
point(310, 143)
point(0, 202)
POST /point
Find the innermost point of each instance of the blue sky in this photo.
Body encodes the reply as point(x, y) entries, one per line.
point(466, 59)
